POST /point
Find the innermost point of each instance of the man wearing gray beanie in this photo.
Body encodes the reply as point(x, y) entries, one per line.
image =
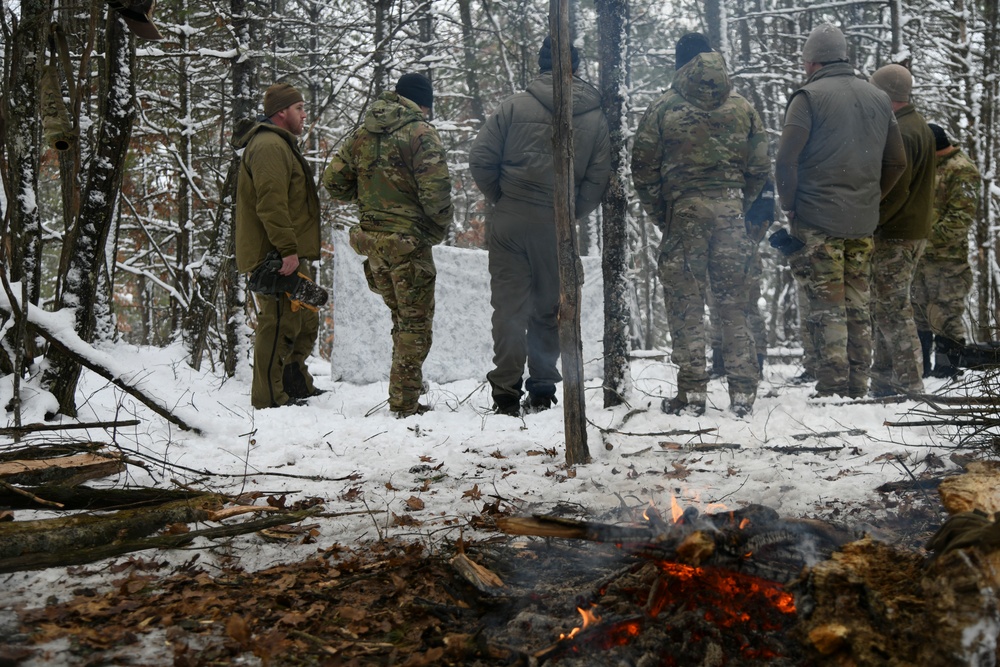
point(905, 217)
point(840, 152)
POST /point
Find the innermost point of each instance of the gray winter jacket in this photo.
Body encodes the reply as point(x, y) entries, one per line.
point(512, 155)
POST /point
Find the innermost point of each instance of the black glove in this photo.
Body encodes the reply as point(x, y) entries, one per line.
point(786, 243)
point(761, 213)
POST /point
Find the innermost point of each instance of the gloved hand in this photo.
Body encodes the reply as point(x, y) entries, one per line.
point(784, 242)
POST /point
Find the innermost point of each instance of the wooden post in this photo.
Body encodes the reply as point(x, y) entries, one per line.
point(574, 413)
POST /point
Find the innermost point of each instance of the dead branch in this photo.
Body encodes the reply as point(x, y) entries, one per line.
point(27, 494)
point(34, 428)
point(149, 401)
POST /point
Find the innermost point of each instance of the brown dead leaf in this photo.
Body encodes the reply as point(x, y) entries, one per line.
point(426, 459)
point(390, 487)
point(238, 630)
point(680, 471)
point(351, 613)
point(177, 529)
point(474, 493)
point(404, 520)
point(352, 494)
point(414, 503)
point(292, 618)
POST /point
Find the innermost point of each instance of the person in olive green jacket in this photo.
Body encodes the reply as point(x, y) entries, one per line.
point(394, 167)
point(905, 217)
point(277, 208)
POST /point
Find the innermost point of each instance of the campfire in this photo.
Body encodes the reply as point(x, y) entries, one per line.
point(748, 587)
point(703, 585)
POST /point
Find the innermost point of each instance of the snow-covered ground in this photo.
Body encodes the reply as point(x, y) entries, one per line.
point(345, 447)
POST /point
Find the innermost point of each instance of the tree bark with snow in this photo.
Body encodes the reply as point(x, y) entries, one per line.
point(86, 244)
point(612, 25)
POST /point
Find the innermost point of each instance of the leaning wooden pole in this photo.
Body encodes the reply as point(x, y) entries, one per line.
point(570, 345)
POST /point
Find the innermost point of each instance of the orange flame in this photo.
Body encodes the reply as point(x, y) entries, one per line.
point(589, 618)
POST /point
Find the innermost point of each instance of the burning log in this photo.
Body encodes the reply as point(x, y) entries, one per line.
point(753, 540)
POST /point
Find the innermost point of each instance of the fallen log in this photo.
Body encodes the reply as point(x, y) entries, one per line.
point(550, 526)
point(89, 555)
point(89, 498)
point(64, 470)
point(82, 531)
point(43, 323)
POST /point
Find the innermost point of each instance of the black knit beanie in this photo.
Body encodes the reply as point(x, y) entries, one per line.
point(545, 56)
point(417, 88)
point(941, 140)
point(688, 47)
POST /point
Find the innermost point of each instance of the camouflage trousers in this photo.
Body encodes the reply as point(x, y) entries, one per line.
point(400, 269)
point(706, 247)
point(755, 319)
point(282, 337)
point(938, 295)
point(799, 266)
point(898, 365)
point(835, 274)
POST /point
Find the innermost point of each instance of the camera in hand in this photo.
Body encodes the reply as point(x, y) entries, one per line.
point(266, 280)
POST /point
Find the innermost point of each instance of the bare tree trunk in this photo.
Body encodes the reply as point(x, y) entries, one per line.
point(570, 344)
point(217, 274)
point(612, 25)
point(21, 128)
point(477, 109)
point(85, 246)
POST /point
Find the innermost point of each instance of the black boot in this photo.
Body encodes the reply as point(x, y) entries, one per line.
point(926, 345)
point(947, 357)
point(718, 369)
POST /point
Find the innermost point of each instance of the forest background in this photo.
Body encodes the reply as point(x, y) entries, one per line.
point(132, 223)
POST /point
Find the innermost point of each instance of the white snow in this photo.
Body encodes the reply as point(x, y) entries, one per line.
point(346, 448)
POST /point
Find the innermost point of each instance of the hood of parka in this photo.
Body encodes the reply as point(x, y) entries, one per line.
point(703, 81)
point(246, 130)
point(391, 112)
point(585, 96)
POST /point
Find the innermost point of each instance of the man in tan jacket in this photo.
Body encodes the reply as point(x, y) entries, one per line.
point(277, 209)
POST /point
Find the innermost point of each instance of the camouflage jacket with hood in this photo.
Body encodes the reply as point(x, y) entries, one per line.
point(956, 201)
point(512, 154)
point(699, 136)
point(277, 206)
point(394, 167)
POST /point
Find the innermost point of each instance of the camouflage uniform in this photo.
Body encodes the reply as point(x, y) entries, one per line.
point(943, 277)
point(897, 364)
point(905, 216)
point(839, 140)
point(799, 266)
point(839, 291)
point(699, 161)
point(394, 166)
